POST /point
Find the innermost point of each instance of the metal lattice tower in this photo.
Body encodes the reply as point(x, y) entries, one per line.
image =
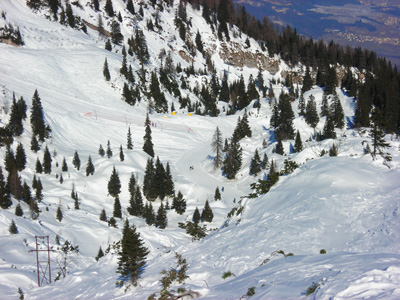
point(43, 263)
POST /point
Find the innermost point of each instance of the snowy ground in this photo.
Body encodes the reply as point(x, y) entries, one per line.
point(348, 205)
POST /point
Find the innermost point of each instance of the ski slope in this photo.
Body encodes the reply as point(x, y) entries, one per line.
point(347, 205)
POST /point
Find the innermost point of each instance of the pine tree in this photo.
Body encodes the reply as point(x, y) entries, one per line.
point(121, 154)
point(116, 35)
point(199, 42)
point(333, 151)
point(90, 167)
point(13, 228)
point(129, 144)
point(96, 5)
point(37, 118)
point(15, 125)
point(329, 128)
point(132, 185)
point(158, 184)
point(285, 128)
point(302, 105)
point(298, 144)
point(112, 222)
point(20, 158)
point(217, 147)
point(161, 218)
point(148, 144)
point(312, 117)
point(34, 144)
point(130, 7)
point(207, 214)
point(76, 161)
point(265, 163)
point(108, 8)
point(196, 216)
point(59, 214)
point(101, 151)
point(106, 71)
point(279, 147)
point(9, 159)
point(136, 207)
point(245, 127)
point(109, 151)
point(307, 82)
point(233, 160)
point(324, 106)
point(377, 134)
point(107, 45)
point(132, 257)
point(103, 216)
point(149, 214)
point(100, 254)
point(117, 212)
point(38, 192)
point(5, 201)
point(18, 210)
point(179, 203)
point(76, 201)
point(114, 184)
point(61, 178)
point(337, 112)
point(217, 194)
point(255, 164)
point(38, 168)
point(47, 161)
point(64, 166)
point(149, 174)
point(169, 187)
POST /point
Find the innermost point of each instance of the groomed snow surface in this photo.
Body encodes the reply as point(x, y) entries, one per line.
point(347, 205)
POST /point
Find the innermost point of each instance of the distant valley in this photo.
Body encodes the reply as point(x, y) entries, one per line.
point(372, 24)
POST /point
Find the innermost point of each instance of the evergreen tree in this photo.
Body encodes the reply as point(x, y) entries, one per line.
point(217, 194)
point(129, 144)
point(285, 128)
point(38, 168)
point(233, 160)
point(132, 185)
point(148, 144)
point(107, 45)
point(302, 105)
point(64, 166)
point(47, 161)
point(13, 228)
point(329, 128)
point(114, 184)
point(196, 216)
point(76, 201)
point(132, 256)
point(76, 161)
point(265, 163)
point(136, 207)
point(255, 164)
point(90, 167)
point(242, 100)
point(96, 5)
point(260, 83)
point(109, 151)
point(100, 254)
point(5, 201)
point(112, 222)
point(149, 214)
point(224, 94)
point(307, 81)
point(179, 203)
point(199, 42)
point(59, 214)
point(337, 112)
point(161, 218)
point(20, 158)
point(103, 216)
point(377, 134)
point(101, 151)
point(9, 160)
point(331, 82)
point(108, 8)
point(15, 125)
point(252, 93)
point(158, 184)
point(245, 127)
point(106, 71)
point(18, 210)
point(279, 147)
point(117, 212)
point(207, 214)
point(130, 7)
point(37, 118)
point(116, 35)
point(148, 179)
point(298, 144)
point(312, 117)
point(324, 106)
point(34, 144)
point(217, 147)
point(38, 192)
point(121, 154)
point(61, 178)
point(169, 186)
point(333, 151)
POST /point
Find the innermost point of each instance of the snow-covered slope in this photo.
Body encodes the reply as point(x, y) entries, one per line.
point(347, 205)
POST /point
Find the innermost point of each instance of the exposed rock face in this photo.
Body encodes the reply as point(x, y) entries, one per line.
point(238, 56)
